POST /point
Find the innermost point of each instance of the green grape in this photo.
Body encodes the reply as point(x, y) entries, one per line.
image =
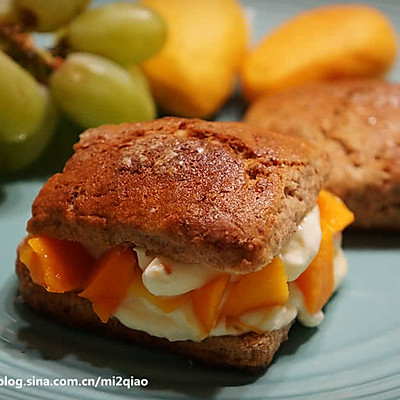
point(47, 15)
point(139, 77)
point(94, 91)
point(17, 152)
point(124, 32)
point(21, 102)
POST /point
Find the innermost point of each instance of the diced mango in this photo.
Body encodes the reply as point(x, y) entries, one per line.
point(164, 303)
point(333, 212)
point(57, 265)
point(31, 260)
point(109, 284)
point(317, 281)
point(261, 288)
point(206, 301)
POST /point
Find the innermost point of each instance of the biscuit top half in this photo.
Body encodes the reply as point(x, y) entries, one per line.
point(221, 194)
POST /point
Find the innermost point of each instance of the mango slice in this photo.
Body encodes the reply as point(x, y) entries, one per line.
point(329, 42)
point(31, 260)
point(110, 282)
point(317, 281)
point(194, 72)
point(165, 303)
point(206, 301)
point(333, 211)
point(266, 287)
point(57, 265)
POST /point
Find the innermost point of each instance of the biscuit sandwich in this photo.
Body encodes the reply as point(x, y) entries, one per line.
point(206, 239)
point(357, 122)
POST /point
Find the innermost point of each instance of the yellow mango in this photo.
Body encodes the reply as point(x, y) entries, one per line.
point(333, 211)
point(317, 281)
point(206, 301)
point(266, 287)
point(194, 73)
point(336, 41)
point(32, 261)
point(110, 282)
point(57, 265)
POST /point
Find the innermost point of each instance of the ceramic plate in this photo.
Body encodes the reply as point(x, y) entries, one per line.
point(355, 353)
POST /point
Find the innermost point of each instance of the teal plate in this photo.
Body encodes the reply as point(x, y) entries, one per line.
point(354, 354)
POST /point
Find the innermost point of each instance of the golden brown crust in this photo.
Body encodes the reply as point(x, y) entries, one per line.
point(207, 192)
point(357, 122)
point(250, 352)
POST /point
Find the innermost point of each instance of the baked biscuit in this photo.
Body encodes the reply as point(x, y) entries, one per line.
point(357, 122)
point(196, 237)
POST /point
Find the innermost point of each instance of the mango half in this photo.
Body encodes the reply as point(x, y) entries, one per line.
point(336, 41)
point(194, 73)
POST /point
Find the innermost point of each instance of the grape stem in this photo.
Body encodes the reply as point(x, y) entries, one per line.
point(20, 46)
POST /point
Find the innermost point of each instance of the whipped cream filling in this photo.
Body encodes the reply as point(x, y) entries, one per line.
point(139, 313)
point(303, 246)
point(164, 277)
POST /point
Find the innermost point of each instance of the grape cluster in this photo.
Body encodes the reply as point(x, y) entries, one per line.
point(97, 81)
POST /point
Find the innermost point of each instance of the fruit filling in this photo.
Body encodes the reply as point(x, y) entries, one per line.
point(62, 266)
